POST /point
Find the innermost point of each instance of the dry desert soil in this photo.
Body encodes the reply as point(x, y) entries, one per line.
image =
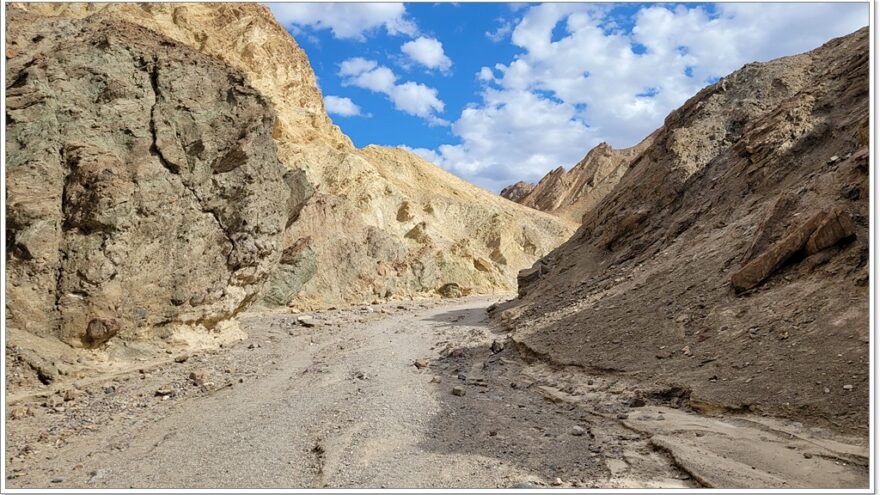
point(398, 395)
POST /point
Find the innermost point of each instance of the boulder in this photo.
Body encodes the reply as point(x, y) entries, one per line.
point(450, 290)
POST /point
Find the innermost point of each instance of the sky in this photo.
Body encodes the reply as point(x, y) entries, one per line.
point(501, 92)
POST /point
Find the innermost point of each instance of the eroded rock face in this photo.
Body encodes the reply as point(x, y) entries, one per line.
point(569, 194)
point(142, 179)
point(517, 192)
point(404, 227)
point(732, 257)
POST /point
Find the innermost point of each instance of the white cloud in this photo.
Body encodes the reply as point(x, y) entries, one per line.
point(343, 107)
point(417, 99)
point(409, 97)
point(346, 20)
point(428, 52)
point(595, 82)
point(355, 66)
point(500, 33)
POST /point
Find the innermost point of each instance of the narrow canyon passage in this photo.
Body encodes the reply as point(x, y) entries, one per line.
point(416, 394)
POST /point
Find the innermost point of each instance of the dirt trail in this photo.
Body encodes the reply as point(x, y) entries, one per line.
point(342, 404)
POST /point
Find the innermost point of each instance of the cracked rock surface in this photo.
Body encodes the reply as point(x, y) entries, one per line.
point(143, 184)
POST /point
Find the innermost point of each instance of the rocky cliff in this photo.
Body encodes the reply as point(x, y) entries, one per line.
point(403, 226)
point(570, 194)
point(518, 191)
point(143, 185)
point(730, 262)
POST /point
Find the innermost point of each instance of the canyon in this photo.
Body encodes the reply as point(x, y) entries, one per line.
point(209, 285)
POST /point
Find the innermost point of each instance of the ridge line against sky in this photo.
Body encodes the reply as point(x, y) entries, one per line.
point(497, 93)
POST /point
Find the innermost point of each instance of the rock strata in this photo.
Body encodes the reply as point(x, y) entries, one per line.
point(731, 260)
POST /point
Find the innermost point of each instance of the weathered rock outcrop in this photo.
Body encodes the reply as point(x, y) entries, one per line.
point(366, 201)
point(143, 186)
point(517, 191)
point(406, 227)
point(732, 258)
point(570, 194)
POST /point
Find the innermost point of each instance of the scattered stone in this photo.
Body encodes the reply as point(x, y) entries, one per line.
point(53, 401)
point(99, 331)
point(19, 412)
point(496, 347)
point(97, 475)
point(181, 359)
point(578, 431)
point(459, 391)
point(199, 377)
point(635, 402)
point(557, 482)
point(827, 390)
point(622, 416)
point(305, 321)
point(58, 479)
point(435, 379)
point(450, 290)
point(165, 390)
point(847, 387)
point(456, 353)
point(808, 455)
point(420, 363)
point(71, 394)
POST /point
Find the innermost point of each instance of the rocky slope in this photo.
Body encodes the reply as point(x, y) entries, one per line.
point(143, 186)
point(403, 226)
point(518, 191)
point(570, 194)
point(730, 263)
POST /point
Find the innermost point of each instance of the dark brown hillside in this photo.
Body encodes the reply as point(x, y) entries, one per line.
point(767, 170)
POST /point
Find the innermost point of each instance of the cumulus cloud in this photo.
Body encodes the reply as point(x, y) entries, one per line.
point(486, 74)
point(409, 97)
point(343, 107)
point(346, 20)
point(501, 32)
point(427, 52)
point(581, 80)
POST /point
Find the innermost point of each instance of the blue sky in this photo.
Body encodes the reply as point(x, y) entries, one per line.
point(499, 92)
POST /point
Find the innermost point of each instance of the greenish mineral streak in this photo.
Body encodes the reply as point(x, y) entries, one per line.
point(288, 279)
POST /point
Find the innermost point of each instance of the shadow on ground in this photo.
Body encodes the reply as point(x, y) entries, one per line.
point(508, 424)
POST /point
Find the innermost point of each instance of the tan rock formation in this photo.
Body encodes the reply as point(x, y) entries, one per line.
point(359, 193)
point(570, 194)
point(143, 185)
point(761, 178)
point(517, 191)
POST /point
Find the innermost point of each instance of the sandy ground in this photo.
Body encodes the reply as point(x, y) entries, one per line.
point(403, 395)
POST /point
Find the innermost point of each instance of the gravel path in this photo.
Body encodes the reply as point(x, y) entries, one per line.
point(397, 396)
